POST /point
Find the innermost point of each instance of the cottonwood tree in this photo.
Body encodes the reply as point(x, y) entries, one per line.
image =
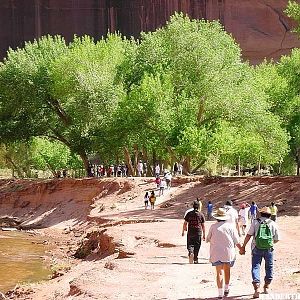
point(186, 78)
point(59, 91)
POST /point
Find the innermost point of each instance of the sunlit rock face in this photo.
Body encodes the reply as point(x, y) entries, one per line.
point(259, 26)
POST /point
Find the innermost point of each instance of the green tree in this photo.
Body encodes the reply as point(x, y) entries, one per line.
point(63, 92)
point(183, 81)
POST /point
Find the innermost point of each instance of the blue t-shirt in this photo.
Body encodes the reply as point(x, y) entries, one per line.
point(209, 208)
point(253, 209)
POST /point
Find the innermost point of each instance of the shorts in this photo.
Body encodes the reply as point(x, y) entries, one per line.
point(218, 263)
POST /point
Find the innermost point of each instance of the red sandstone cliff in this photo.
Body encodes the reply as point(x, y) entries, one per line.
point(260, 26)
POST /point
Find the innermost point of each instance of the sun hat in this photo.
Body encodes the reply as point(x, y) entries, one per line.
point(265, 210)
point(220, 214)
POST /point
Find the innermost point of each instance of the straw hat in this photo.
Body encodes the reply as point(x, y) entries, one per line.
point(265, 210)
point(220, 214)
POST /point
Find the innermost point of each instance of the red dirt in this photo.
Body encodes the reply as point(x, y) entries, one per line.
point(127, 252)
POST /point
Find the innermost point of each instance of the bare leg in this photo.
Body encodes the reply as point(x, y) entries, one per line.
point(219, 270)
point(226, 268)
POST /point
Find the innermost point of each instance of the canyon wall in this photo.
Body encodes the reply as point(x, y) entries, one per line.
point(259, 26)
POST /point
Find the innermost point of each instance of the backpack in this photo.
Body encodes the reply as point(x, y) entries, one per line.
point(264, 237)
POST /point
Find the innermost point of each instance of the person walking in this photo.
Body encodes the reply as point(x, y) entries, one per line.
point(146, 200)
point(253, 211)
point(157, 170)
point(223, 239)
point(233, 215)
point(274, 210)
point(152, 199)
point(243, 217)
point(162, 187)
point(168, 178)
point(195, 227)
point(209, 210)
point(140, 167)
point(265, 233)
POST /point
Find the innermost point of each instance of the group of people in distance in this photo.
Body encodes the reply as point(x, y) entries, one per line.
point(161, 185)
point(224, 237)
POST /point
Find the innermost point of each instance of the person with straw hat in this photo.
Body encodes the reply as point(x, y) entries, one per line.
point(265, 233)
point(223, 237)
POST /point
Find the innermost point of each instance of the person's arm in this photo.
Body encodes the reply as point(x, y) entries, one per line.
point(203, 231)
point(237, 227)
point(184, 227)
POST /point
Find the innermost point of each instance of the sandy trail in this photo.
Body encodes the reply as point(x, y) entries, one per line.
point(157, 265)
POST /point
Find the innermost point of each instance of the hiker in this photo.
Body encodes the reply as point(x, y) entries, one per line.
point(168, 178)
point(191, 209)
point(146, 200)
point(243, 217)
point(157, 181)
point(209, 210)
point(274, 209)
point(253, 211)
point(233, 215)
point(157, 170)
point(223, 238)
point(140, 167)
point(152, 199)
point(162, 187)
point(195, 227)
point(175, 169)
point(265, 233)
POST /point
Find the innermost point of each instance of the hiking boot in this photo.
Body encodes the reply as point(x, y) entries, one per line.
point(191, 258)
point(266, 288)
point(196, 261)
point(256, 290)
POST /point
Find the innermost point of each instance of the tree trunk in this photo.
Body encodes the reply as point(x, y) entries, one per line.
point(202, 162)
point(136, 154)
point(239, 166)
point(86, 163)
point(15, 167)
point(259, 165)
point(187, 166)
point(298, 161)
point(128, 162)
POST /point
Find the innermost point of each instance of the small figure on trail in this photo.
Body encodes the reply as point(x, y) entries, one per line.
point(243, 217)
point(58, 174)
point(233, 215)
point(152, 199)
point(157, 170)
point(274, 210)
point(175, 169)
point(265, 233)
point(253, 211)
point(146, 200)
point(162, 187)
point(140, 168)
point(168, 178)
point(223, 238)
point(65, 173)
point(145, 168)
point(180, 168)
point(209, 210)
point(191, 209)
point(157, 181)
point(194, 225)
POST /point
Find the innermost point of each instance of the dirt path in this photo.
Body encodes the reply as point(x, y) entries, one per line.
point(156, 266)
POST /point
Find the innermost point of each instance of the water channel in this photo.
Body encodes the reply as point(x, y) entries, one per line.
point(21, 259)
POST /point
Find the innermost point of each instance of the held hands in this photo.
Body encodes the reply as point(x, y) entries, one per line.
point(242, 251)
point(203, 238)
point(182, 233)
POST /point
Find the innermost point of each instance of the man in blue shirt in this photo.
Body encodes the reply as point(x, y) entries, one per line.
point(209, 210)
point(253, 211)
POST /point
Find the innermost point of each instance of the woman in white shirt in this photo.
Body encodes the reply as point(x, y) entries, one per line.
point(223, 238)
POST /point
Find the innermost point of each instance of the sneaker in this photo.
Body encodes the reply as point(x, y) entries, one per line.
point(191, 258)
point(226, 292)
point(196, 261)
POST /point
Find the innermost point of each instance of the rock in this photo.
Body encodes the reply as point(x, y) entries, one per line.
point(2, 296)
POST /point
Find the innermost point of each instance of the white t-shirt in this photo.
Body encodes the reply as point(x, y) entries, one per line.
point(233, 214)
point(223, 237)
point(243, 213)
